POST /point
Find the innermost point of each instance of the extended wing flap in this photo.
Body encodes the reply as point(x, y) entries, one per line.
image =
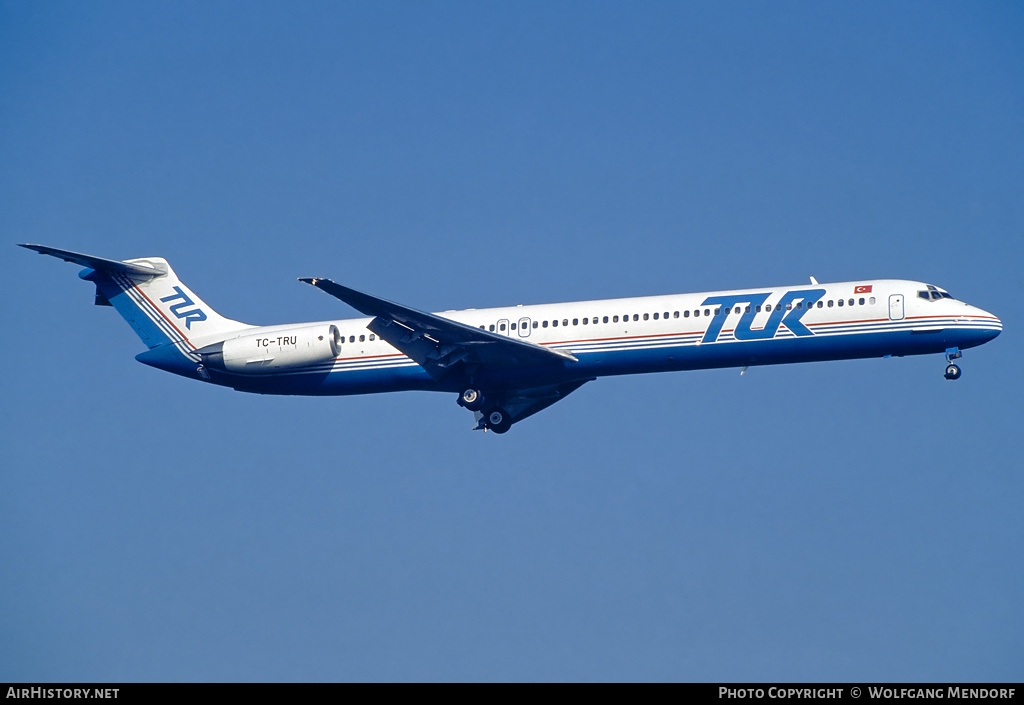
point(437, 343)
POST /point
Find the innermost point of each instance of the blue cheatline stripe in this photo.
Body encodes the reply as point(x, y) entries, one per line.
point(640, 344)
point(115, 292)
point(155, 316)
point(626, 361)
point(148, 308)
point(677, 352)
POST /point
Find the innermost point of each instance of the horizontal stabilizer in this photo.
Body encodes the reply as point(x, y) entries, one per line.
point(99, 263)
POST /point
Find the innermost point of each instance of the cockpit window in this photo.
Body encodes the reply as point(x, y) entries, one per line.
point(933, 293)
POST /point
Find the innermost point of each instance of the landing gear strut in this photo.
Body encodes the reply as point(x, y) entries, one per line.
point(952, 371)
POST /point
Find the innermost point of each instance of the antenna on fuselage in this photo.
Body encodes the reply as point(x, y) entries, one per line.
point(814, 281)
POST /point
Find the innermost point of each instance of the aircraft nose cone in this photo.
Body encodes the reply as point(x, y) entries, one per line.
point(992, 325)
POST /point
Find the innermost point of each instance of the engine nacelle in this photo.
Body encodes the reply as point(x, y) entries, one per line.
point(274, 351)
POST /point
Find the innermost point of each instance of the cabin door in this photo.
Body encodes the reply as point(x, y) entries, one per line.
point(524, 327)
point(896, 307)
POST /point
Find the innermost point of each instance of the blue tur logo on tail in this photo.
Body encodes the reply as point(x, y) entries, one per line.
point(191, 315)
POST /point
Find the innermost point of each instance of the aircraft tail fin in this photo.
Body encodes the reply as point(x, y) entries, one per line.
point(150, 297)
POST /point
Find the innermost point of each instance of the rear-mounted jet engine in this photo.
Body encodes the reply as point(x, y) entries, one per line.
point(274, 350)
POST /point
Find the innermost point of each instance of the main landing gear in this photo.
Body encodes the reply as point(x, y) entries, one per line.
point(492, 418)
point(497, 420)
point(952, 371)
point(472, 399)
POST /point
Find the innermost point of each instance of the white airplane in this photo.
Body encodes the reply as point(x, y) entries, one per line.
point(506, 364)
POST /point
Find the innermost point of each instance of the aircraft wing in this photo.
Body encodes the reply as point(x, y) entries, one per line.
point(437, 343)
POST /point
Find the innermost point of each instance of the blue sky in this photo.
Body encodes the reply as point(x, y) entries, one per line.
point(838, 521)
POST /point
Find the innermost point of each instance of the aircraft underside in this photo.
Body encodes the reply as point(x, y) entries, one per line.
point(484, 391)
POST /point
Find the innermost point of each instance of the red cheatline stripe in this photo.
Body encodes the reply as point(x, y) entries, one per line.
point(163, 316)
point(131, 288)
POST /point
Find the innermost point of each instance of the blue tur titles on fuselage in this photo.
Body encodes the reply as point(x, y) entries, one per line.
point(785, 313)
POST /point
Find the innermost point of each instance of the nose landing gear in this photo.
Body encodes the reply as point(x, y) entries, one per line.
point(952, 371)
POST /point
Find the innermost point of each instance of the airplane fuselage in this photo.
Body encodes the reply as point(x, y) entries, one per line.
point(738, 328)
